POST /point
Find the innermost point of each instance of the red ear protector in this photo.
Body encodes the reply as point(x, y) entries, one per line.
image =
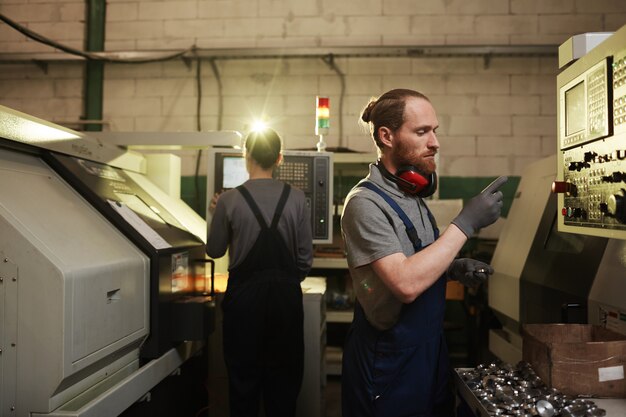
point(410, 181)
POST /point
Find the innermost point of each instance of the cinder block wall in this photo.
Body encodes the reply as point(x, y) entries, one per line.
point(496, 115)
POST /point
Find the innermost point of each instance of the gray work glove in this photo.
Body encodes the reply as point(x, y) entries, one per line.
point(469, 272)
point(481, 210)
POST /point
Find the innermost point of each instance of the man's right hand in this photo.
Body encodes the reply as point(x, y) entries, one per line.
point(482, 210)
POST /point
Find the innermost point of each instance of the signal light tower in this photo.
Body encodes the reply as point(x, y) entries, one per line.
point(322, 120)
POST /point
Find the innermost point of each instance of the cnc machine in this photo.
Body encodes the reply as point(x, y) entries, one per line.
point(561, 257)
point(102, 292)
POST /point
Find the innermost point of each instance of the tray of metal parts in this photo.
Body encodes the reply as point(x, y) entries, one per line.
point(502, 389)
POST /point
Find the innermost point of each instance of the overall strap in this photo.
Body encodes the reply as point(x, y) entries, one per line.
point(281, 205)
point(410, 228)
point(433, 222)
point(255, 209)
point(257, 212)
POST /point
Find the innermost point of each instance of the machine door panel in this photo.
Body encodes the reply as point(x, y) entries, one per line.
point(74, 289)
point(178, 308)
point(135, 211)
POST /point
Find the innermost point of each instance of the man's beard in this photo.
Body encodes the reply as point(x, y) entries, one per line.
point(402, 156)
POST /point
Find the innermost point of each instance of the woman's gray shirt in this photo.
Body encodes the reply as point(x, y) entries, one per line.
point(234, 227)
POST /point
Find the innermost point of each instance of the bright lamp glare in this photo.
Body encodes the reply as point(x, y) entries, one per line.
point(19, 128)
point(259, 126)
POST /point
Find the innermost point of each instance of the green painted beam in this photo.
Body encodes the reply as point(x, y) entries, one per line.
point(94, 70)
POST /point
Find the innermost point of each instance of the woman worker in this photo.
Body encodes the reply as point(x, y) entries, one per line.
point(265, 225)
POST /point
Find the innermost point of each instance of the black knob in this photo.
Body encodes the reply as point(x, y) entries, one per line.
point(577, 166)
point(615, 177)
point(589, 156)
point(605, 158)
point(579, 213)
point(603, 207)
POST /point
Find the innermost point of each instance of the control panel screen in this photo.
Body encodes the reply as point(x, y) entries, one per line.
point(584, 106)
point(575, 109)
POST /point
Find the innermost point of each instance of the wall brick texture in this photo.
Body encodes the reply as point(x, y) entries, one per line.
point(496, 115)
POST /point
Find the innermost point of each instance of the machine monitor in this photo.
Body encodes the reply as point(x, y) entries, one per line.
point(574, 109)
point(309, 171)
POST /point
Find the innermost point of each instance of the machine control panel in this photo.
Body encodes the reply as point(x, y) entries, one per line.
point(310, 171)
point(591, 179)
point(311, 175)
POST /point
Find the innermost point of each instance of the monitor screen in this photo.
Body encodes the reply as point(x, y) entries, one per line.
point(575, 115)
point(234, 171)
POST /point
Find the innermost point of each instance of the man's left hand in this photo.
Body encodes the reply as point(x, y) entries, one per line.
point(469, 272)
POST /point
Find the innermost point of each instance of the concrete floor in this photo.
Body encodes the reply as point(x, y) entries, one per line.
point(332, 396)
point(332, 401)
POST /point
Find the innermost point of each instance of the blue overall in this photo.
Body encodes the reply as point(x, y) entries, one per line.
point(401, 371)
point(263, 324)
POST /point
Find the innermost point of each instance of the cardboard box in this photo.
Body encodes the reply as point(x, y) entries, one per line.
point(455, 290)
point(577, 359)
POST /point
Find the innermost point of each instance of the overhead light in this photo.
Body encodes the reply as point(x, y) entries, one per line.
point(258, 125)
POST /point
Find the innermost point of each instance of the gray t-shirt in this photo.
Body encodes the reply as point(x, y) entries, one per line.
point(234, 227)
point(372, 230)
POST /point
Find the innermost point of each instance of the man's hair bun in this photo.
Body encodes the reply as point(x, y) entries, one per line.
point(366, 116)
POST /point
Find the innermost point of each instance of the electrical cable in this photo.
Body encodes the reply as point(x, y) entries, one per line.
point(220, 95)
point(220, 116)
point(199, 129)
point(91, 56)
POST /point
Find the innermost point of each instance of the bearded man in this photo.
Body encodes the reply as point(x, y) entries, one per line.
point(395, 360)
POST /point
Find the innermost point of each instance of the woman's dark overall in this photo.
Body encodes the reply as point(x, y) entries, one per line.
point(263, 324)
point(402, 371)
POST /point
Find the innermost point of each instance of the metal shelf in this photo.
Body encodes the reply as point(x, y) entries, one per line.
point(339, 316)
point(330, 263)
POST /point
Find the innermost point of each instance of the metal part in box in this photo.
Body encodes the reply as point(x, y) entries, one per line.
point(500, 388)
point(577, 359)
point(467, 395)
